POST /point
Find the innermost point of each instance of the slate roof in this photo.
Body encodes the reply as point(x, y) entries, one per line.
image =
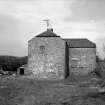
point(72, 43)
point(80, 43)
point(48, 33)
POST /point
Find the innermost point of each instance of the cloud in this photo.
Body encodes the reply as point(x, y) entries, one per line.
point(82, 29)
point(21, 20)
point(10, 37)
point(86, 10)
point(38, 9)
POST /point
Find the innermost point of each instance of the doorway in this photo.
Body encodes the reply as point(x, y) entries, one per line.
point(21, 71)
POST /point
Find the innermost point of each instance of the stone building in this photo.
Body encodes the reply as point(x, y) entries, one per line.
point(23, 70)
point(82, 56)
point(51, 57)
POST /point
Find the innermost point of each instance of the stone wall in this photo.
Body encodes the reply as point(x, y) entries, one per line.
point(82, 60)
point(46, 57)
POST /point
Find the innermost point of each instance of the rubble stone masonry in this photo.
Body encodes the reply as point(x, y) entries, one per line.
point(82, 60)
point(46, 57)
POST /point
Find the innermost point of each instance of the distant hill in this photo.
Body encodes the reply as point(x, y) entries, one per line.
point(11, 63)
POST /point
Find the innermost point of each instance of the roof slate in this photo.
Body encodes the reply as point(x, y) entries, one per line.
point(72, 43)
point(48, 33)
point(80, 43)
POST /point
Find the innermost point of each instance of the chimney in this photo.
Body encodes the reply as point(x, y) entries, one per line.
point(50, 29)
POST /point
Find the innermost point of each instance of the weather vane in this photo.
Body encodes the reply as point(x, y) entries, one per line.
point(47, 23)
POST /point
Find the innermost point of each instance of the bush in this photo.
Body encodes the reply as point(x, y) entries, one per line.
point(11, 63)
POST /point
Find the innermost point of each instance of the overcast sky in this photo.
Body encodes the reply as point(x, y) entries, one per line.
point(21, 20)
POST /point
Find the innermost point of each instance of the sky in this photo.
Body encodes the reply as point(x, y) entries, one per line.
point(20, 20)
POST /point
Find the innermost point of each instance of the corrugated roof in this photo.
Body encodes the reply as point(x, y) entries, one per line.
point(48, 33)
point(80, 43)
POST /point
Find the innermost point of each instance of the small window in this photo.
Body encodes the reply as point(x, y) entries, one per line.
point(42, 49)
point(74, 62)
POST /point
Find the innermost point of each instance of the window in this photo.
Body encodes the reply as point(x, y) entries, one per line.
point(74, 62)
point(42, 49)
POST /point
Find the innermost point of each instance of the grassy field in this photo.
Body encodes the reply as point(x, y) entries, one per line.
point(24, 91)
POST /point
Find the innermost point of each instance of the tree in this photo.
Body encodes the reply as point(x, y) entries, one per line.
point(104, 50)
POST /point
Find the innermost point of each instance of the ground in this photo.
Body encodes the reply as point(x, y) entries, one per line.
point(24, 91)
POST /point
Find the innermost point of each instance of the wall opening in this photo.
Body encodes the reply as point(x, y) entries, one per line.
point(21, 71)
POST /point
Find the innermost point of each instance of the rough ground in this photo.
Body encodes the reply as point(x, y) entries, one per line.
point(23, 91)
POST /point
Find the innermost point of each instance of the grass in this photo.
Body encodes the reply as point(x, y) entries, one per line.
point(24, 91)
